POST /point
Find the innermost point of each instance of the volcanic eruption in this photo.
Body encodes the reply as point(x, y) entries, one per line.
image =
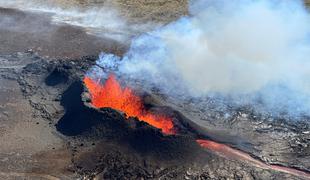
point(112, 95)
point(217, 90)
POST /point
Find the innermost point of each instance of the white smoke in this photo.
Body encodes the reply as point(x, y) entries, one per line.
point(100, 19)
point(251, 51)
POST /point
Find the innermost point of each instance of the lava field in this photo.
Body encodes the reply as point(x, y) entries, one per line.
point(104, 143)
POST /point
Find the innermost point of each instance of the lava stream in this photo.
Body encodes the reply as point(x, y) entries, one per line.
point(231, 153)
point(112, 95)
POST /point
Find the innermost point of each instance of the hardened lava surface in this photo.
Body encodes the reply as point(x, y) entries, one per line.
point(51, 131)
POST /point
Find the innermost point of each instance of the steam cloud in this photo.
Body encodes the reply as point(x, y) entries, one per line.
point(101, 20)
point(252, 52)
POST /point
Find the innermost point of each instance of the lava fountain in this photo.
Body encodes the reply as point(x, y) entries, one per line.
point(112, 95)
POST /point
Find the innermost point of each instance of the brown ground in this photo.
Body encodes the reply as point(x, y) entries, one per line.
point(141, 10)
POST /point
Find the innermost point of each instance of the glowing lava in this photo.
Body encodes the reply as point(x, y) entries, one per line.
point(112, 95)
point(231, 153)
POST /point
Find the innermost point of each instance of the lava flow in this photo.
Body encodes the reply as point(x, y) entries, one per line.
point(231, 153)
point(112, 95)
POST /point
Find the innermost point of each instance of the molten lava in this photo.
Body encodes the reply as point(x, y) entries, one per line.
point(112, 95)
point(231, 153)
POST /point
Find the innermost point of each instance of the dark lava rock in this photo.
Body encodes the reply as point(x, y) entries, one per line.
point(58, 75)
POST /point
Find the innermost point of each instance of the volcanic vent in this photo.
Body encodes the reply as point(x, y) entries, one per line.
point(112, 95)
point(108, 112)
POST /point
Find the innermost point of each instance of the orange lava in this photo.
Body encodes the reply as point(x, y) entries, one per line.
point(231, 153)
point(112, 95)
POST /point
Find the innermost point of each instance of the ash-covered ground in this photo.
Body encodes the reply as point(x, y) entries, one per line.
point(48, 129)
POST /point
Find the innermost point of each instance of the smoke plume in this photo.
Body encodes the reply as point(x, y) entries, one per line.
point(251, 52)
